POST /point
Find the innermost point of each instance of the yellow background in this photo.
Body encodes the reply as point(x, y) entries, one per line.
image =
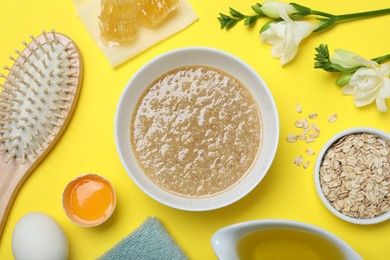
point(287, 192)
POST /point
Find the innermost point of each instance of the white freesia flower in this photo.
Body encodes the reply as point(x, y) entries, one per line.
point(270, 8)
point(349, 59)
point(285, 36)
point(368, 84)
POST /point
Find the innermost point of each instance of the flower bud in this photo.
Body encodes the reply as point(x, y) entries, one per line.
point(343, 80)
point(349, 59)
point(270, 9)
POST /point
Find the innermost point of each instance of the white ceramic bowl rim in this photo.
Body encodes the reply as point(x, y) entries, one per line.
point(186, 57)
point(355, 130)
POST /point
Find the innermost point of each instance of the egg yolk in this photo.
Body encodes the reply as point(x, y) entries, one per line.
point(90, 200)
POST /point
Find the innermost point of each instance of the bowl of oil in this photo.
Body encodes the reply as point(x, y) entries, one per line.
point(279, 239)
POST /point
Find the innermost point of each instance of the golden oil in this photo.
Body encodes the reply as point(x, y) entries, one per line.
point(286, 243)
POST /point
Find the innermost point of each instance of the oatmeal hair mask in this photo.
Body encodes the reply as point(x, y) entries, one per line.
point(196, 131)
point(196, 128)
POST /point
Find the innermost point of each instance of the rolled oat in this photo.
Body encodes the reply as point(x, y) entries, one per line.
point(355, 175)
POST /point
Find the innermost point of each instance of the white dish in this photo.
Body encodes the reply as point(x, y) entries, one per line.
point(224, 241)
point(382, 134)
point(212, 58)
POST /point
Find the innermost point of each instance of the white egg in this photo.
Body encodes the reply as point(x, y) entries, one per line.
point(38, 236)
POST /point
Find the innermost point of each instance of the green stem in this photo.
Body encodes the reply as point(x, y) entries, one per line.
point(361, 15)
point(322, 14)
point(382, 59)
point(343, 17)
point(331, 19)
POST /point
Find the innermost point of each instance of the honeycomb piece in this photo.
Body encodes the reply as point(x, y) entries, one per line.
point(118, 20)
point(155, 11)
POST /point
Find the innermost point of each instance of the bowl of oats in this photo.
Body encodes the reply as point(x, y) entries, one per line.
point(352, 175)
point(196, 128)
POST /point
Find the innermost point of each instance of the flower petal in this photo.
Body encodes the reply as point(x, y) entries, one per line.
point(359, 101)
point(363, 95)
point(289, 47)
point(384, 91)
point(366, 79)
point(348, 90)
point(302, 29)
point(384, 70)
point(275, 36)
point(381, 105)
point(285, 36)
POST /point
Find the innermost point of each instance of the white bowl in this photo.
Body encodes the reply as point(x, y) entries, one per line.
point(224, 241)
point(328, 205)
point(212, 58)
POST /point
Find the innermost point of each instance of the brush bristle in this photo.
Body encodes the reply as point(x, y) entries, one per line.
point(38, 88)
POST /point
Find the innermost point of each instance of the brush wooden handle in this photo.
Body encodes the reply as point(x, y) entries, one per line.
point(14, 173)
point(12, 176)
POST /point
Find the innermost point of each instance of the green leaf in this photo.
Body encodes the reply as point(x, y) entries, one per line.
point(301, 9)
point(266, 26)
point(322, 59)
point(325, 23)
point(224, 16)
point(222, 22)
point(297, 16)
point(236, 14)
point(250, 20)
point(257, 9)
point(230, 24)
point(226, 21)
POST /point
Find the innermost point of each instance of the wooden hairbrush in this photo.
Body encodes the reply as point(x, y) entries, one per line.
point(37, 100)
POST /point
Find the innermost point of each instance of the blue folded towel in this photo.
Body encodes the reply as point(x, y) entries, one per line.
point(148, 242)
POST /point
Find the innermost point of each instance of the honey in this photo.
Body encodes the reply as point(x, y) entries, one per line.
point(118, 20)
point(155, 11)
point(89, 200)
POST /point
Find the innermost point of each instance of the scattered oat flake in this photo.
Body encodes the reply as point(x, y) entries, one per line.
point(310, 151)
point(298, 108)
point(291, 138)
point(315, 128)
point(305, 123)
point(306, 164)
point(299, 123)
point(313, 116)
point(298, 160)
point(332, 118)
point(313, 135)
point(302, 137)
point(309, 140)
